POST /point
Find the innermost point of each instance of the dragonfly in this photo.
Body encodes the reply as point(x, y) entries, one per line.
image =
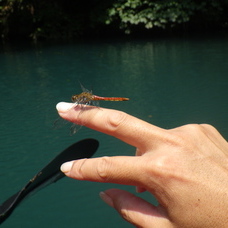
point(87, 98)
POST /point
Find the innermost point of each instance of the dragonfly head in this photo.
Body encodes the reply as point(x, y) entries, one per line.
point(74, 98)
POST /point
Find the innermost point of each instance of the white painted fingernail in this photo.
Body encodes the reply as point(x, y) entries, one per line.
point(63, 106)
point(66, 167)
point(107, 199)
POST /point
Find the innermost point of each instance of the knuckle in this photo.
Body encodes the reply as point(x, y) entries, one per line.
point(79, 173)
point(191, 128)
point(189, 131)
point(162, 162)
point(103, 167)
point(115, 120)
point(125, 215)
point(164, 166)
point(198, 131)
point(130, 217)
point(166, 172)
point(208, 127)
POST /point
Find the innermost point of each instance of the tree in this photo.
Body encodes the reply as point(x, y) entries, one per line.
point(55, 19)
point(162, 13)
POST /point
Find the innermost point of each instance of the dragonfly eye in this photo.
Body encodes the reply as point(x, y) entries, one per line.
point(74, 98)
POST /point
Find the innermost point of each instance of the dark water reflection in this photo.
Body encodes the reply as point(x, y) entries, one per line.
point(169, 83)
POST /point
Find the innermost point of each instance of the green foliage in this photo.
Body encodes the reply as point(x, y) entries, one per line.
point(161, 13)
point(54, 19)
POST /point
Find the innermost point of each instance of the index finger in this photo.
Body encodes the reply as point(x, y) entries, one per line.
point(127, 128)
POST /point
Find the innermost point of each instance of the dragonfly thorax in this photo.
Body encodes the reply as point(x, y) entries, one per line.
point(82, 98)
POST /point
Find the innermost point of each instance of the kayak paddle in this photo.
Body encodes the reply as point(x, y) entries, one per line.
point(49, 174)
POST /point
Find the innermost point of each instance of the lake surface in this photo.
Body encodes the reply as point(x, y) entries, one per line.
point(170, 82)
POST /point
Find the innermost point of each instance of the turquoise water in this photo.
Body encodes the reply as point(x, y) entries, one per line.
point(170, 82)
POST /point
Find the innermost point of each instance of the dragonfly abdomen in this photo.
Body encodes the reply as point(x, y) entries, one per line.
point(98, 98)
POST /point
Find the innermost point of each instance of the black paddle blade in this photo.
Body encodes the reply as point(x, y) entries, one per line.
point(49, 174)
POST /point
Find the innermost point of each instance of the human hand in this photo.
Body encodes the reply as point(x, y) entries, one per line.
point(185, 168)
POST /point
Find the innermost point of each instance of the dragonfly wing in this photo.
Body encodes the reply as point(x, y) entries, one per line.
point(84, 89)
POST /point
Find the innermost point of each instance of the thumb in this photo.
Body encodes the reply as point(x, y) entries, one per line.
point(136, 210)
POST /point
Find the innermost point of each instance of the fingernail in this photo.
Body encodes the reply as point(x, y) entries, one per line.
point(107, 199)
point(66, 167)
point(140, 189)
point(63, 106)
point(137, 189)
